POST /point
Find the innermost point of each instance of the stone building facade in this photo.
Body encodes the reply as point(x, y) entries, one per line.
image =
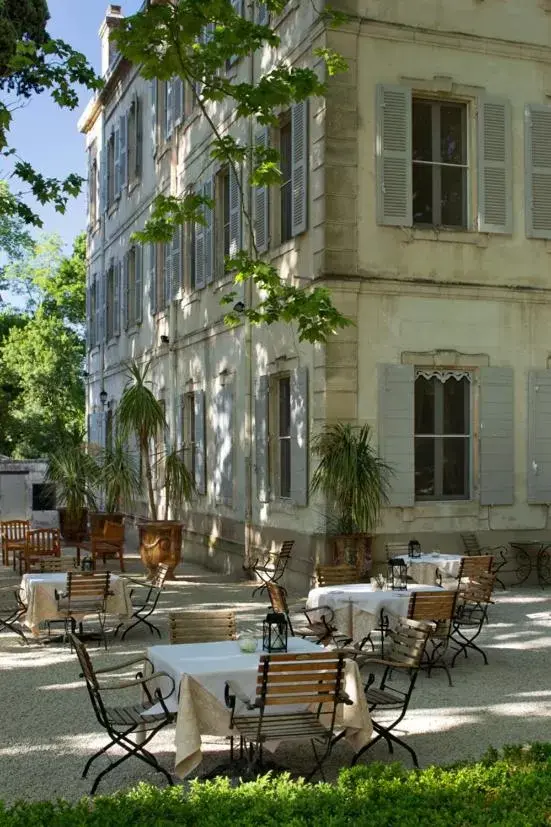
point(419, 191)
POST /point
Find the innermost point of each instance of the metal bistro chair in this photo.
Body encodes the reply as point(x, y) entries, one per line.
point(13, 534)
point(11, 611)
point(438, 608)
point(272, 569)
point(474, 549)
point(121, 721)
point(144, 610)
point(473, 600)
point(408, 641)
point(318, 621)
point(40, 543)
point(284, 681)
point(336, 575)
point(85, 594)
point(189, 626)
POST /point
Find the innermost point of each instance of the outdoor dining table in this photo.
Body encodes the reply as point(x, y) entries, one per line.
point(200, 672)
point(38, 593)
point(429, 568)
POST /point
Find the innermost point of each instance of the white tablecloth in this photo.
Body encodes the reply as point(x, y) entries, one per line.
point(423, 569)
point(358, 607)
point(201, 670)
point(38, 593)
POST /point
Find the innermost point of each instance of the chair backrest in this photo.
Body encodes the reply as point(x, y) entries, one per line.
point(160, 576)
point(479, 590)
point(470, 543)
point(436, 606)
point(471, 567)
point(89, 675)
point(15, 530)
point(336, 575)
point(277, 598)
point(84, 587)
point(304, 678)
point(407, 642)
point(281, 557)
point(43, 541)
point(113, 532)
point(57, 564)
point(202, 627)
point(400, 549)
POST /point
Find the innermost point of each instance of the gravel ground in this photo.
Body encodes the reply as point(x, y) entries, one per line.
point(47, 728)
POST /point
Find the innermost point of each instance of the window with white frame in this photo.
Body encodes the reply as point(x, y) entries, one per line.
point(443, 439)
point(439, 160)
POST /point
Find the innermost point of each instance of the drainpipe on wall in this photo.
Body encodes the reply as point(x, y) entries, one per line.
point(173, 376)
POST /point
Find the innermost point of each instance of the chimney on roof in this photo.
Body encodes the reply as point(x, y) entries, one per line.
point(113, 17)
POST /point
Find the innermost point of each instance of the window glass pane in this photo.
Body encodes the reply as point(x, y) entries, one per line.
point(453, 196)
point(422, 194)
point(422, 131)
point(424, 467)
point(452, 142)
point(455, 481)
point(285, 468)
point(456, 407)
point(285, 406)
point(424, 405)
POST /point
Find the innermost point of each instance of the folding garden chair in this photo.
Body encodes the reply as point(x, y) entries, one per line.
point(336, 575)
point(474, 549)
point(121, 721)
point(473, 600)
point(85, 594)
point(318, 621)
point(190, 626)
point(438, 608)
point(283, 682)
point(11, 611)
point(408, 641)
point(272, 569)
point(144, 609)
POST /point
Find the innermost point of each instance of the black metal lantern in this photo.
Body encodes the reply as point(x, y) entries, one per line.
point(87, 564)
point(414, 548)
point(274, 632)
point(397, 573)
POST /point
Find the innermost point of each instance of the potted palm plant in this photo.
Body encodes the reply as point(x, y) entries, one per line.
point(355, 482)
point(74, 473)
point(119, 482)
point(141, 416)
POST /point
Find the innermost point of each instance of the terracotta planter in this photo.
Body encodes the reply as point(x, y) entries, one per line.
point(74, 529)
point(99, 518)
point(355, 550)
point(161, 542)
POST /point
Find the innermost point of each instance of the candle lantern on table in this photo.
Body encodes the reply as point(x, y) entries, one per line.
point(414, 548)
point(274, 632)
point(397, 573)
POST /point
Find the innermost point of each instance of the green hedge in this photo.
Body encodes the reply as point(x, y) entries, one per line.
point(511, 788)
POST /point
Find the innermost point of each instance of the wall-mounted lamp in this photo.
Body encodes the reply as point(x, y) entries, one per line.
point(165, 340)
point(239, 307)
point(103, 396)
point(85, 374)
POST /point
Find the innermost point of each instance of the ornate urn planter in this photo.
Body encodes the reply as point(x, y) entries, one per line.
point(161, 542)
point(354, 550)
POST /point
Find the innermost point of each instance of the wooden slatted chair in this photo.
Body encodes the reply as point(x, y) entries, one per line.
point(471, 567)
point(85, 594)
point(49, 564)
point(13, 535)
point(272, 569)
point(318, 627)
point(40, 543)
point(283, 682)
point(121, 721)
point(404, 656)
point(108, 544)
point(146, 605)
point(499, 553)
point(336, 575)
point(436, 607)
point(11, 612)
point(397, 549)
point(189, 626)
point(473, 599)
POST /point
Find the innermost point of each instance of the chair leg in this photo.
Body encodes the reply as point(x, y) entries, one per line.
point(136, 750)
point(121, 560)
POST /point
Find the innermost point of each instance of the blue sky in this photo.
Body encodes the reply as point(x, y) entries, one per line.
point(48, 136)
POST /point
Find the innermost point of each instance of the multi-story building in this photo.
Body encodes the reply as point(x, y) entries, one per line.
point(419, 191)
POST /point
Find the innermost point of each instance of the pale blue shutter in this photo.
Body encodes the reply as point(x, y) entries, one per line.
point(208, 248)
point(103, 323)
point(393, 156)
point(223, 435)
point(537, 141)
point(235, 212)
point(396, 430)
point(199, 244)
point(495, 167)
point(299, 436)
point(138, 265)
point(178, 100)
point(152, 278)
point(261, 438)
point(262, 14)
point(89, 341)
point(127, 311)
point(539, 436)
point(200, 442)
point(179, 420)
point(176, 260)
point(153, 89)
point(497, 472)
point(99, 309)
point(169, 108)
point(139, 138)
point(261, 201)
point(123, 150)
point(299, 166)
point(117, 298)
point(167, 272)
point(117, 182)
point(102, 161)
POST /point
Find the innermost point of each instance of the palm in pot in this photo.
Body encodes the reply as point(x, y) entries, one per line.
point(75, 474)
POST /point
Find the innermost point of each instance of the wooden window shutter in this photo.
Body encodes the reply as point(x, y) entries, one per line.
point(127, 312)
point(199, 257)
point(299, 166)
point(223, 440)
point(208, 244)
point(200, 442)
point(495, 206)
point(396, 428)
point(103, 318)
point(394, 156)
point(89, 339)
point(497, 473)
point(154, 114)
point(262, 14)
point(176, 261)
point(299, 436)
point(538, 171)
point(177, 101)
point(139, 137)
point(117, 154)
point(169, 107)
point(152, 278)
point(138, 288)
point(235, 211)
point(103, 164)
point(539, 436)
point(261, 436)
point(117, 268)
point(99, 309)
point(123, 151)
point(261, 200)
point(167, 272)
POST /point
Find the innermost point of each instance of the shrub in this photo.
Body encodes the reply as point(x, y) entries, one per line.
point(511, 788)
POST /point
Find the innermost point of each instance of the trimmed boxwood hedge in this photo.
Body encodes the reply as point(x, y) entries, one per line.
point(510, 788)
